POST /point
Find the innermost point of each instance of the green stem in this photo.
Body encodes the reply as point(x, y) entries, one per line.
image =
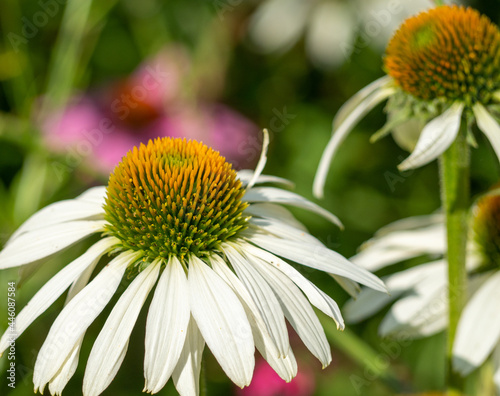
point(203, 379)
point(455, 190)
point(439, 2)
point(67, 51)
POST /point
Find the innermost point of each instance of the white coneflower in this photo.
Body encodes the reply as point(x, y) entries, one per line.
point(421, 292)
point(176, 214)
point(443, 72)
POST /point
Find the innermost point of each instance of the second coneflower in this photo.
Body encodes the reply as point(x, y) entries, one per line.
point(443, 71)
point(176, 215)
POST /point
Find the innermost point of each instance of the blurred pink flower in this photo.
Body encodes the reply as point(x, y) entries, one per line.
point(100, 128)
point(267, 383)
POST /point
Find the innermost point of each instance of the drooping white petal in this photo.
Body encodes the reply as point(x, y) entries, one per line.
point(317, 257)
point(76, 317)
point(59, 381)
point(341, 132)
point(298, 311)
point(285, 367)
point(60, 212)
point(262, 160)
point(489, 126)
point(222, 322)
point(245, 175)
point(263, 297)
point(397, 246)
point(166, 326)
point(478, 330)
point(316, 297)
point(276, 195)
point(351, 287)
point(55, 287)
point(354, 101)
point(369, 301)
point(38, 244)
point(331, 32)
point(272, 211)
point(111, 345)
point(436, 137)
point(411, 223)
point(429, 297)
point(283, 230)
point(186, 375)
point(270, 36)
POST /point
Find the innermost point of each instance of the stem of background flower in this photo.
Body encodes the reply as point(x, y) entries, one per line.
point(67, 52)
point(203, 379)
point(439, 2)
point(363, 354)
point(455, 192)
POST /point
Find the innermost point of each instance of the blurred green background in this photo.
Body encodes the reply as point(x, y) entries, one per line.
point(51, 51)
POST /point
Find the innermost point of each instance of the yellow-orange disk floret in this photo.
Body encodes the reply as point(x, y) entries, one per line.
point(448, 52)
point(486, 228)
point(173, 197)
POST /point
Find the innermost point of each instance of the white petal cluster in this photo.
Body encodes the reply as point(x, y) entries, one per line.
point(238, 298)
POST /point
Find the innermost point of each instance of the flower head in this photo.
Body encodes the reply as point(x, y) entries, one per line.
point(420, 293)
point(443, 73)
point(450, 53)
point(176, 215)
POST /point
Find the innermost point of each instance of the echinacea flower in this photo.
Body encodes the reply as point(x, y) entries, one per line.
point(177, 215)
point(98, 129)
point(443, 73)
point(421, 291)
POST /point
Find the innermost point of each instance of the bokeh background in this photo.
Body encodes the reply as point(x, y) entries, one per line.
point(81, 82)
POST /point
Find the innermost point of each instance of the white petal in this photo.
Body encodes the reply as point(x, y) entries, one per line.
point(359, 97)
point(245, 175)
point(331, 31)
point(55, 287)
point(166, 326)
point(429, 294)
point(341, 132)
point(298, 311)
point(38, 244)
point(276, 195)
point(263, 297)
point(59, 381)
point(489, 126)
point(283, 230)
point(478, 330)
point(318, 257)
point(76, 317)
point(316, 297)
point(270, 36)
point(397, 246)
point(272, 211)
point(262, 160)
point(111, 344)
point(351, 287)
point(97, 195)
point(496, 367)
point(436, 137)
point(369, 301)
point(285, 367)
point(222, 322)
point(60, 212)
point(186, 374)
